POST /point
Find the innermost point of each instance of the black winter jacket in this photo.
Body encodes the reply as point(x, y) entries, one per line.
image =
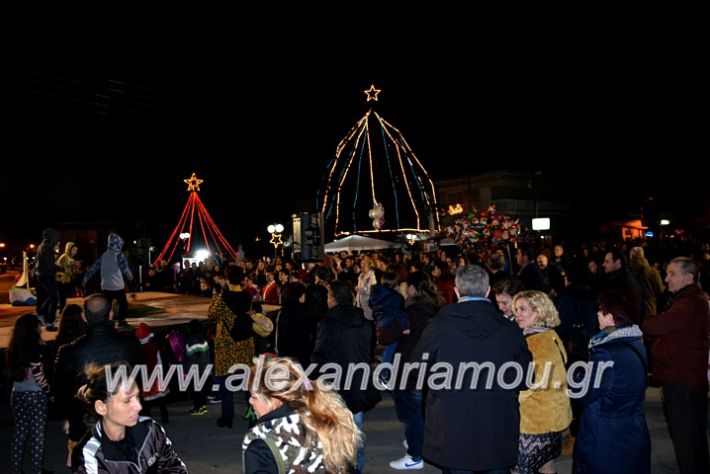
point(345, 337)
point(472, 428)
point(100, 345)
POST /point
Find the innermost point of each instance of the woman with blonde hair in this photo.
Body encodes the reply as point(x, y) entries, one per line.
point(301, 426)
point(545, 410)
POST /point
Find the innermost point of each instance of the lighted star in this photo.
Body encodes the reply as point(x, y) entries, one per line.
point(276, 240)
point(372, 93)
point(193, 183)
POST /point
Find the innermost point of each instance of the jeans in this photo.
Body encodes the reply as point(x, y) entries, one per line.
point(408, 405)
point(388, 356)
point(359, 418)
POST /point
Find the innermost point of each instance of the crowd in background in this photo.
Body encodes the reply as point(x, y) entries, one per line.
point(371, 306)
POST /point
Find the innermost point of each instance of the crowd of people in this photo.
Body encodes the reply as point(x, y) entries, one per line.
point(541, 306)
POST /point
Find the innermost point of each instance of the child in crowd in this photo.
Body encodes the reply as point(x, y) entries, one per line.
point(198, 358)
point(155, 393)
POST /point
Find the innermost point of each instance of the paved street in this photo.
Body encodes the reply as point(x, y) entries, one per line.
point(205, 448)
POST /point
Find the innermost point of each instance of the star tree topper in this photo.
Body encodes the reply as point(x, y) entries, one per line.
point(193, 183)
point(372, 93)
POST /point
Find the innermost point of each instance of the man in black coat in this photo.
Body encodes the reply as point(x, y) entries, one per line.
point(344, 338)
point(100, 345)
point(471, 425)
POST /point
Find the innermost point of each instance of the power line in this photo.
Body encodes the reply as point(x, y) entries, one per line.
point(115, 96)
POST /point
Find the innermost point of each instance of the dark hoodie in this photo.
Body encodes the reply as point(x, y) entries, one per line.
point(44, 265)
point(472, 428)
point(344, 337)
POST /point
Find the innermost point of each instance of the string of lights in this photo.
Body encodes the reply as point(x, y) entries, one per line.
point(212, 237)
point(375, 153)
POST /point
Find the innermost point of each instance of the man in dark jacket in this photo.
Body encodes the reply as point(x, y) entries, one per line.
point(100, 345)
point(45, 278)
point(469, 424)
point(679, 359)
point(344, 338)
point(618, 276)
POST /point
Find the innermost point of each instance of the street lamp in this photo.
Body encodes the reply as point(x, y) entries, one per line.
point(275, 231)
point(185, 237)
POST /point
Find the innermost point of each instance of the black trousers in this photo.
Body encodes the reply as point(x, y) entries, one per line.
point(120, 297)
point(686, 411)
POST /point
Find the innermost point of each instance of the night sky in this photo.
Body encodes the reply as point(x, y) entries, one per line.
point(123, 126)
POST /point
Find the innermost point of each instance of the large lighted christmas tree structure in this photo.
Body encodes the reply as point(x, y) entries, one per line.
point(195, 218)
point(376, 183)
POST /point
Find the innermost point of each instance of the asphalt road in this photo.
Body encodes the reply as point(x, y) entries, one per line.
point(205, 448)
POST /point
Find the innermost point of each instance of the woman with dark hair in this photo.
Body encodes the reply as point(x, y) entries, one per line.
point(422, 304)
point(121, 440)
point(613, 435)
point(444, 281)
point(72, 326)
point(29, 392)
point(293, 337)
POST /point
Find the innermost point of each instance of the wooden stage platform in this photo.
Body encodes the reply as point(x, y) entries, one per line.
point(160, 309)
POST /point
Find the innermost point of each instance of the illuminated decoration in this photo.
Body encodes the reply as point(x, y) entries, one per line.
point(411, 238)
point(205, 231)
point(193, 183)
point(373, 165)
point(377, 214)
point(486, 230)
point(372, 93)
point(454, 210)
point(276, 240)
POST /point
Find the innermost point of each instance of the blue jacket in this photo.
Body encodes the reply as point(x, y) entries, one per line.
point(388, 307)
point(613, 435)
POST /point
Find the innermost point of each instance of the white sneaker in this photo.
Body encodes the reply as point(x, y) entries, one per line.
point(407, 463)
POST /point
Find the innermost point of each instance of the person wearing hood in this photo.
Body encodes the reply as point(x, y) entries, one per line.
point(45, 272)
point(65, 275)
point(113, 267)
point(344, 337)
point(475, 427)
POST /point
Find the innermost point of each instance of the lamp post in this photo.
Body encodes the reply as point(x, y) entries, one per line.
point(185, 238)
point(275, 231)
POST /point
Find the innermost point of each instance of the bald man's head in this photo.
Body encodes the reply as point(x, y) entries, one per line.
point(96, 308)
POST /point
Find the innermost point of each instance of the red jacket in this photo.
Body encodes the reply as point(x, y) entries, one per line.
point(680, 340)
